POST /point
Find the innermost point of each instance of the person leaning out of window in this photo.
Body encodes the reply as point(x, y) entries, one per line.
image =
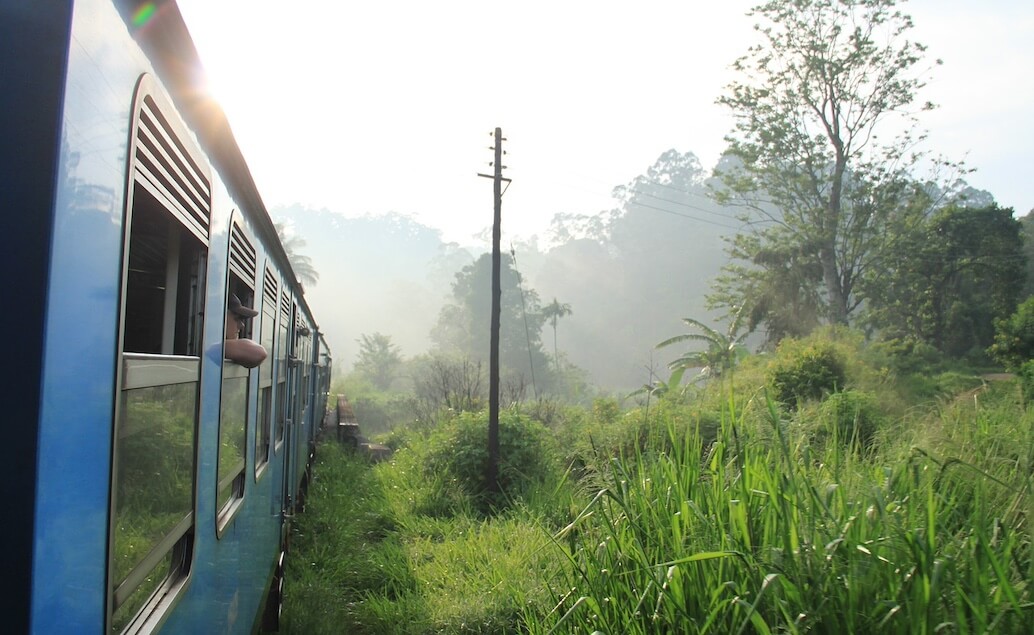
point(247, 353)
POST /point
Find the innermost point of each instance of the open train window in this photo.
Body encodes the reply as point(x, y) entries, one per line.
point(236, 401)
point(164, 280)
point(164, 270)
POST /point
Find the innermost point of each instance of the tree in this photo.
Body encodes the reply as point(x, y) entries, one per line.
point(806, 160)
point(553, 312)
point(378, 360)
point(947, 280)
point(302, 264)
point(629, 270)
point(1014, 337)
point(1027, 229)
point(463, 326)
point(723, 349)
point(781, 283)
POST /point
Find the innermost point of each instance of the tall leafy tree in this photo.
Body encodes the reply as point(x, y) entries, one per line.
point(463, 325)
point(379, 359)
point(825, 111)
point(947, 280)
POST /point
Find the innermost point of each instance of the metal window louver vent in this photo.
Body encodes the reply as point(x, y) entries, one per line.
point(242, 255)
point(285, 306)
point(269, 289)
point(167, 169)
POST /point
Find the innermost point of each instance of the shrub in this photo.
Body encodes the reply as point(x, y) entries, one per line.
point(809, 372)
point(605, 410)
point(459, 450)
point(854, 415)
point(1014, 337)
point(907, 355)
point(1026, 375)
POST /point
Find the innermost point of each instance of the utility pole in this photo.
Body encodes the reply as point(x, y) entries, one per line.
point(492, 470)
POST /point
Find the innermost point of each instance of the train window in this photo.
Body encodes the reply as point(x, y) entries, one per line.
point(236, 392)
point(164, 277)
point(270, 300)
point(164, 271)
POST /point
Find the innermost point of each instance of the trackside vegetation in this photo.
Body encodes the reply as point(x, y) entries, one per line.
point(870, 496)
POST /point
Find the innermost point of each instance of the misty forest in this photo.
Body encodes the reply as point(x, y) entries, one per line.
point(788, 393)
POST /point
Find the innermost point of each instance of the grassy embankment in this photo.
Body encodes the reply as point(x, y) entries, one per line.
point(901, 507)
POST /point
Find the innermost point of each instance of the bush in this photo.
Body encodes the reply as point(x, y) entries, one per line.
point(907, 355)
point(1014, 337)
point(459, 450)
point(808, 372)
point(854, 415)
point(1026, 375)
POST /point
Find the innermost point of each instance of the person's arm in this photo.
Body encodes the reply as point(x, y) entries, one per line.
point(244, 352)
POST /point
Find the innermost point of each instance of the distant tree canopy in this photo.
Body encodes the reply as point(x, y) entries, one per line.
point(823, 189)
point(629, 273)
point(463, 326)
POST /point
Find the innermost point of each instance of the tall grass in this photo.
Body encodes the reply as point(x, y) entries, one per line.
point(727, 515)
point(745, 537)
point(392, 549)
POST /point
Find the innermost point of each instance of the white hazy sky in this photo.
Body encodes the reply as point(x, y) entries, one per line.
point(388, 105)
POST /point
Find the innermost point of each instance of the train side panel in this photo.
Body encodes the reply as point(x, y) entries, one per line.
point(31, 111)
point(103, 401)
point(70, 550)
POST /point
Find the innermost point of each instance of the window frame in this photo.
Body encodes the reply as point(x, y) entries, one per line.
point(164, 162)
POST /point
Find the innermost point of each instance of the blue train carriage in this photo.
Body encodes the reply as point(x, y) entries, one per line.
point(149, 482)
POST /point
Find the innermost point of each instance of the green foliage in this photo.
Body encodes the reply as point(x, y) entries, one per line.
point(1026, 376)
point(805, 372)
point(907, 355)
point(756, 539)
point(459, 449)
point(379, 359)
point(722, 352)
point(1014, 337)
point(716, 514)
point(819, 183)
point(606, 410)
point(463, 326)
point(1027, 230)
point(853, 416)
point(947, 278)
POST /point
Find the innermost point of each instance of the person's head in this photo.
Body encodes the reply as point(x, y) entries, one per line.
point(237, 316)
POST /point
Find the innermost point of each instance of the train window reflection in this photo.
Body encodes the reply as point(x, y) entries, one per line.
point(154, 490)
point(232, 438)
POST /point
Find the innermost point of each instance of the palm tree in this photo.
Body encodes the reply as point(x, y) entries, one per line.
point(302, 264)
point(553, 312)
point(721, 354)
